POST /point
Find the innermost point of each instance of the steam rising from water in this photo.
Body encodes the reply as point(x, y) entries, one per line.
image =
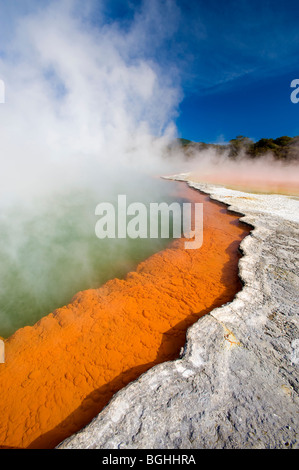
point(81, 104)
point(86, 113)
point(263, 174)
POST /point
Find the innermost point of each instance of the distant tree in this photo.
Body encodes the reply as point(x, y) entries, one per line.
point(239, 145)
point(283, 141)
point(264, 146)
point(184, 142)
point(282, 148)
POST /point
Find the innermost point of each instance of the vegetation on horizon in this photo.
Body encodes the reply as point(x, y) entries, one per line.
point(283, 148)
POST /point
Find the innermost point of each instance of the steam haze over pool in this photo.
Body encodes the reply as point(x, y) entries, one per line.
point(91, 103)
point(86, 117)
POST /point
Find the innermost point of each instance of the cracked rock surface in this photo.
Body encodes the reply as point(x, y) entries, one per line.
point(236, 384)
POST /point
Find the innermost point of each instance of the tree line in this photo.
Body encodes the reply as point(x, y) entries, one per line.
point(283, 148)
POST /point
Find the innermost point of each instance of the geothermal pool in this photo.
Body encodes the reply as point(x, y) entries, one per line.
point(62, 371)
point(278, 180)
point(49, 250)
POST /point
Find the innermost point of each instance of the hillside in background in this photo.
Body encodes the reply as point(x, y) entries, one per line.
point(283, 148)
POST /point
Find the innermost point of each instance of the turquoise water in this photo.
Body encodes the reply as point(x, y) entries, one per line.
point(50, 252)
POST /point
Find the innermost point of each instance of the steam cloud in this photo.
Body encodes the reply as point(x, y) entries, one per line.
point(80, 101)
point(86, 109)
point(262, 174)
point(86, 106)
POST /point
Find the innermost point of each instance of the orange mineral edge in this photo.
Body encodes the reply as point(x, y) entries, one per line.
point(61, 372)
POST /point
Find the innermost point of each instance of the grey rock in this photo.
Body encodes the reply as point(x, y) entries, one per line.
point(236, 384)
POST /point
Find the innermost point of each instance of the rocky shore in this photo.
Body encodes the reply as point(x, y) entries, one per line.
point(236, 383)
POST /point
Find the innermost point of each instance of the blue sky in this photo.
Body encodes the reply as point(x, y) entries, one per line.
point(236, 60)
point(232, 60)
point(246, 62)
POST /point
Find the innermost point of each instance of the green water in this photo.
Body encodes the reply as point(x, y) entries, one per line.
point(50, 251)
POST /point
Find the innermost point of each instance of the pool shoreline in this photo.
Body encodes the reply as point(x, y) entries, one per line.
point(149, 312)
point(240, 361)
